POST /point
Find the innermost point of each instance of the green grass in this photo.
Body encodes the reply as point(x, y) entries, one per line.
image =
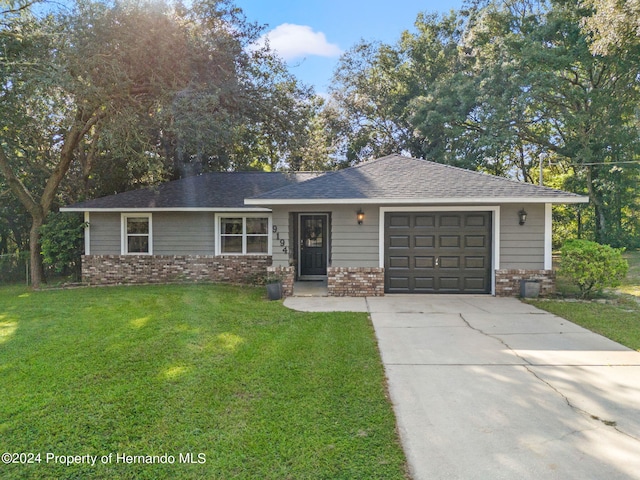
point(619, 321)
point(259, 390)
point(631, 284)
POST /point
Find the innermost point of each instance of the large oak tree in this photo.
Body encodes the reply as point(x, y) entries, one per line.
point(137, 86)
point(505, 87)
point(529, 83)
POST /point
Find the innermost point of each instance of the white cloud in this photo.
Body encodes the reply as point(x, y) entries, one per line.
point(295, 41)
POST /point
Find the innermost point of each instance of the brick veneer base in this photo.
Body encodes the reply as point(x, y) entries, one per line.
point(286, 275)
point(341, 281)
point(355, 282)
point(135, 269)
point(508, 281)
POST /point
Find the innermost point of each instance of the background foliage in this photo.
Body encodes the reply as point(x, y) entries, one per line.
point(98, 97)
point(516, 88)
point(106, 96)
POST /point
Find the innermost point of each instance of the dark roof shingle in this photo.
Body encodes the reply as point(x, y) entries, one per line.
point(396, 177)
point(210, 190)
point(393, 179)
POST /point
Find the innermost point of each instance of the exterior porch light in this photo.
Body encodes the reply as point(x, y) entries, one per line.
point(522, 216)
point(360, 216)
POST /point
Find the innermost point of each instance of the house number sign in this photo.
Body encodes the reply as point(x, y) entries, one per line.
point(281, 241)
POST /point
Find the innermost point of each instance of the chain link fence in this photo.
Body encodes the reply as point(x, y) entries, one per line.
point(14, 268)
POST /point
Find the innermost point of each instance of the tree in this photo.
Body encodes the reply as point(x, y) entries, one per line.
point(14, 224)
point(28, 91)
point(159, 91)
point(362, 99)
point(614, 25)
point(379, 89)
point(507, 87)
point(529, 81)
point(316, 148)
point(375, 83)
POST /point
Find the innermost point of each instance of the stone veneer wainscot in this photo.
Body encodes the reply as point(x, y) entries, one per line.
point(137, 269)
point(341, 281)
point(508, 281)
point(355, 282)
point(286, 275)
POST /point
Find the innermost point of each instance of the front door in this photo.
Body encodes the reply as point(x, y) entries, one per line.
point(313, 246)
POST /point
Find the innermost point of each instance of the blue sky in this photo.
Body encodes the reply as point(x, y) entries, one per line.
point(311, 34)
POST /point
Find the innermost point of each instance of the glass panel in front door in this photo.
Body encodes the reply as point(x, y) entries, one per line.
point(313, 232)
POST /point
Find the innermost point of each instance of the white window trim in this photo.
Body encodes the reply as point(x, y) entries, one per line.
point(548, 236)
point(244, 216)
point(123, 230)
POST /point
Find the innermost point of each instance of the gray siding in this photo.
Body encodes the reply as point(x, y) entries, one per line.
point(522, 246)
point(280, 223)
point(183, 233)
point(105, 233)
point(354, 245)
point(174, 233)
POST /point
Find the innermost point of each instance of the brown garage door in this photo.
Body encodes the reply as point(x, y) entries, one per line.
point(437, 252)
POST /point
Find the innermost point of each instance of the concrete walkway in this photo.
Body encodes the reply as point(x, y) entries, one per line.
point(491, 388)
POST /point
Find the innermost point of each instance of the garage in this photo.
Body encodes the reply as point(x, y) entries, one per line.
point(437, 252)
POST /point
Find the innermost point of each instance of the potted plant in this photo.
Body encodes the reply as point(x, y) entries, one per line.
point(274, 288)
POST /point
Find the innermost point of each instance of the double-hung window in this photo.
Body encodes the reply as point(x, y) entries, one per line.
point(243, 235)
point(136, 234)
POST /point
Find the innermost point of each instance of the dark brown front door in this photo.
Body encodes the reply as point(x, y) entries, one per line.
point(438, 252)
point(313, 245)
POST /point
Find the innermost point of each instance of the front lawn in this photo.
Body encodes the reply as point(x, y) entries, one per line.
point(214, 378)
point(619, 321)
point(631, 284)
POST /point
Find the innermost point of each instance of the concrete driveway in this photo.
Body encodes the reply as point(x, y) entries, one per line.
point(491, 388)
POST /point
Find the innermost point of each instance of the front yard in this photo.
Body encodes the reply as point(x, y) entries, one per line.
point(189, 382)
point(617, 318)
point(208, 381)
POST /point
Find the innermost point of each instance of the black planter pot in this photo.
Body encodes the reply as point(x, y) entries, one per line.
point(274, 291)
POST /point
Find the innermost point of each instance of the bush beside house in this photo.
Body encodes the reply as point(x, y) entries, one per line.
point(591, 266)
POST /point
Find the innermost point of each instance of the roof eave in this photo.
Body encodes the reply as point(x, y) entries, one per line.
point(164, 209)
point(418, 201)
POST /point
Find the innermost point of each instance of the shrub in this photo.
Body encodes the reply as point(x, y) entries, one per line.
point(592, 266)
point(62, 243)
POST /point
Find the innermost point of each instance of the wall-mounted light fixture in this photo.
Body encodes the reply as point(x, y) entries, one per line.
point(360, 216)
point(522, 216)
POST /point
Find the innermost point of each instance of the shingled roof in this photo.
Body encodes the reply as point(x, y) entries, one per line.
point(210, 191)
point(399, 179)
point(392, 179)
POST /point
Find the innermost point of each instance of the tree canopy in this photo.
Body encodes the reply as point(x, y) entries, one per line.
point(102, 96)
point(112, 95)
point(505, 87)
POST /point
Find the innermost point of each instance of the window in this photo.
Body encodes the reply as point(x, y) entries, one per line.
point(136, 234)
point(244, 235)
